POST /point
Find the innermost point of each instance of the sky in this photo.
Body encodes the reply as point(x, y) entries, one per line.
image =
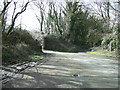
point(28, 18)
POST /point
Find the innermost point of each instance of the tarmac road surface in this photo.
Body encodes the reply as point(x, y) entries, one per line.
point(69, 70)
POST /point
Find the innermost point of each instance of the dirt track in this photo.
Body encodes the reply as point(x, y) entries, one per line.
point(70, 70)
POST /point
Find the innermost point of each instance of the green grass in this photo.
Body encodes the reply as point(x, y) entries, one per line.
point(35, 57)
point(96, 53)
point(102, 53)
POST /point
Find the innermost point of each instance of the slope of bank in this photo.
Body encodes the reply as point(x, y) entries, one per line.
point(19, 47)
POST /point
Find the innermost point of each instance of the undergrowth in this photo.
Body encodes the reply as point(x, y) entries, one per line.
point(56, 43)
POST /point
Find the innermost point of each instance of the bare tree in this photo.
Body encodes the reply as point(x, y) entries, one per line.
point(3, 14)
point(57, 19)
point(105, 11)
point(6, 4)
point(14, 16)
point(117, 10)
point(41, 16)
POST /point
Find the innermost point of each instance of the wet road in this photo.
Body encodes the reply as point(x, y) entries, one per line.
point(69, 70)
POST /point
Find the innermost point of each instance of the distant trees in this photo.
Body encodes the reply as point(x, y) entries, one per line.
point(78, 25)
point(40, 15)
point(82, 28)
point(76, 22)
point(54, 19)
point(107, 12)
point(71, 21)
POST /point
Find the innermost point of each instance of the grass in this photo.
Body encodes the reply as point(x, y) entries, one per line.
point(35, 57)
point(21, 57)
point(102, 53)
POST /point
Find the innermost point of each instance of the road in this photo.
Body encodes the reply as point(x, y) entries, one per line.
point(69, 70)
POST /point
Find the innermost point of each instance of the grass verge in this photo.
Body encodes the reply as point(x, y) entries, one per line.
point(102, 53)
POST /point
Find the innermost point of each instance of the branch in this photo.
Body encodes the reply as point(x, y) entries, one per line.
point(99, 6)
point(6, 4)
point(14, 9)
point(14, 18)
point(114, 8)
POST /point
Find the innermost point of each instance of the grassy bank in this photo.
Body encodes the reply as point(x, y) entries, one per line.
point(20, 47)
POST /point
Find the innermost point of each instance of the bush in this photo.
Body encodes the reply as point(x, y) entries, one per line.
point(56, 43)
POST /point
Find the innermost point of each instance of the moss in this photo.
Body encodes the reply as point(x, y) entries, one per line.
point(35, 57)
